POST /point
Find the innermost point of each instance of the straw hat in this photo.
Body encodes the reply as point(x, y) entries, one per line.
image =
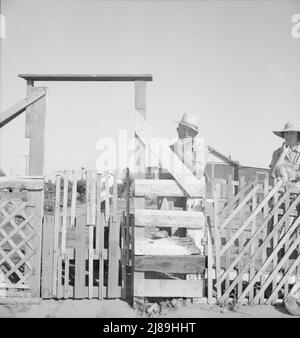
point(289, 126)
point(190, 120)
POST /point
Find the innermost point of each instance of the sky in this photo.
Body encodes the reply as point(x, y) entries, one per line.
point(235, 64)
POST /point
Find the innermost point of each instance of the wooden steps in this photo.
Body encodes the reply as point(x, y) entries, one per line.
point(162, 266)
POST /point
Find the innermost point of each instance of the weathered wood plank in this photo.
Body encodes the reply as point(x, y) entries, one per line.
point(74, 198)
point(100, 222)
point(91, 261)
point(91, 198)
point(271, 257)
point(87, 77)
point(273, 274)
point(59, 277)
point(169, 218)
point(65, 207)
point(56, 232)
point(47, 257)
point(80, 257)
point(66, 276)
point(164, 188)
point(209, 262)
point(264, 235)
point(168, 288)
point(170, 264)
point(17, 109)
point(29, 90)
point(37, 136)
point(253, 245)
point(123, 257)
point(113, 254)
point(261, 205)
point(22, 183)
point(216, 195)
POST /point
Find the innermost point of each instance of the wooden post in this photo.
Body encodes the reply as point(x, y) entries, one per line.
point(209, 263)
point(113, 246)
point(37, 135)
point(195, 204)
point(264, 234)
point(242, 183)
point(216, 194)
point(140, 156)
point(47, 254)
point(30, 86)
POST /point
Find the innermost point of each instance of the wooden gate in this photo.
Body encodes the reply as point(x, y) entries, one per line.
point(256, 243)
point(21, 211)
point(81, 241)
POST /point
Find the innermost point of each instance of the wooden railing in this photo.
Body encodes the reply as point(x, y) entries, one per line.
point(254, 244)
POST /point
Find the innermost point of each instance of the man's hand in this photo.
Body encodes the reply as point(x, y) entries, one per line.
point(285, 148)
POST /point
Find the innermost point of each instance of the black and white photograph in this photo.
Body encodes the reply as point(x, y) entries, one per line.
point(149, 162)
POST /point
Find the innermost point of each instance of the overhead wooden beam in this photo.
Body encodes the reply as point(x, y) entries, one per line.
point(87, 77)
point(17, 109)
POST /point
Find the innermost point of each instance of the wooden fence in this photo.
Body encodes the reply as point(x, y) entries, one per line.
point(253, 242)
point(170, 266)
point(21, 211)
point(82, 240)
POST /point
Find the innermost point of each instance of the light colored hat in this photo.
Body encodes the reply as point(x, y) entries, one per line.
point(289, 126)
point(190, 120)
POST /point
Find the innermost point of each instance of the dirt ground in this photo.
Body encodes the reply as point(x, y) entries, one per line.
point(120, 309)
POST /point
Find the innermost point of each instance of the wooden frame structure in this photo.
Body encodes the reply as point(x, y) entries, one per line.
point(253, 243)
point(35, 106)
point(186, 184)
point(82, 248)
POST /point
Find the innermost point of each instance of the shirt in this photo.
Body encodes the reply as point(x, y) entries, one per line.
point(292, 158)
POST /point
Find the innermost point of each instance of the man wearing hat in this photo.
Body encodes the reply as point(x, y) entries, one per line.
point(285, 164)
point(186, 149)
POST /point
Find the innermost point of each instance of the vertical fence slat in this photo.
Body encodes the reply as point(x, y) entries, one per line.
point(132, 251)
point(241, 241)
point(91, 221)
point(91, 261)
point(253, 246)
point(100, 220)
point(59, 277)
point(127, 228)
point(47, 254)
point(80, 252)
point(123, 256)
point(264, 235)
point(209, 263)
point(65, 209)
point(56, 233)
point(107, 206)
point(113, 250)
point(286, 247)
point(275, 241)
point(217, 235)
point(66, 275)
point(228, 230)
point(91, 198)
point(74, 197)
point(115, 197)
